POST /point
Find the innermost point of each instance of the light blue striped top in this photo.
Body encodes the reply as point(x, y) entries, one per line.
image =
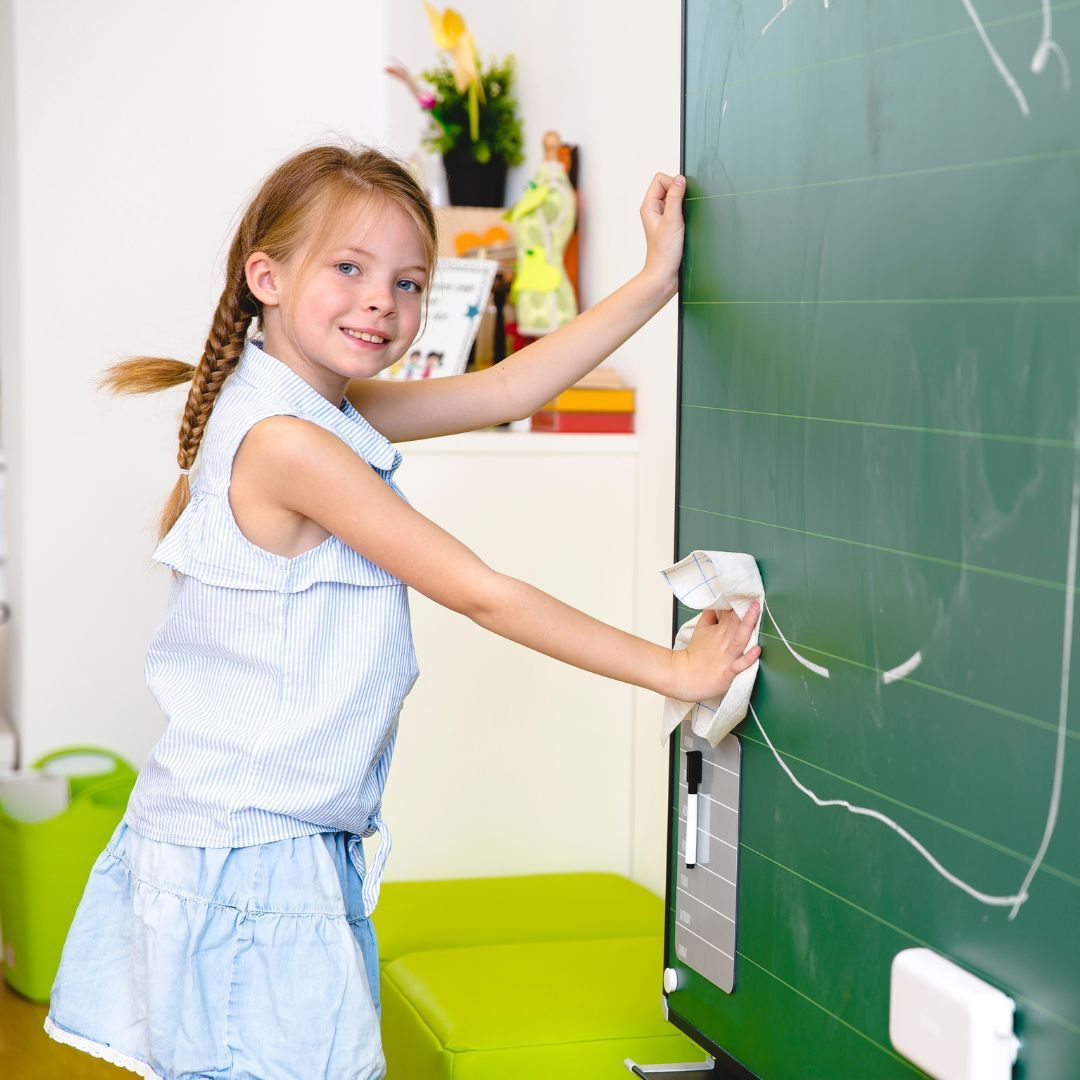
point(281, 678)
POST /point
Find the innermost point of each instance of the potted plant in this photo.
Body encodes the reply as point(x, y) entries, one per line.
point(476, 149)
point(474, 116)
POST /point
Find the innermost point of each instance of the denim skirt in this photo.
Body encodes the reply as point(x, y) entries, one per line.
point(184, 963)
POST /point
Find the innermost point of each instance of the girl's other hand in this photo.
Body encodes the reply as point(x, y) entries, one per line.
point(662, 217)
point(716, 654)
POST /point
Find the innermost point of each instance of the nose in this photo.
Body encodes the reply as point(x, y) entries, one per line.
point(380, 298)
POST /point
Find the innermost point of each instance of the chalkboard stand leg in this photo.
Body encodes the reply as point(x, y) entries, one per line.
point(694, 1070)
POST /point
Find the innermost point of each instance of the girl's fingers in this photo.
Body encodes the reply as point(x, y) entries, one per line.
point(746, 627)
point(748, 659)
point(654, 197)
point(676, 191)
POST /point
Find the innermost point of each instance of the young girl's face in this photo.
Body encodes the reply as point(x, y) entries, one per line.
point(369, 281)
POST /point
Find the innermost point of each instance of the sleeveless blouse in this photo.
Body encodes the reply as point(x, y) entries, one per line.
point(282, 679)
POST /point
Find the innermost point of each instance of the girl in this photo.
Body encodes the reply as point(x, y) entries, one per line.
point(225, 930)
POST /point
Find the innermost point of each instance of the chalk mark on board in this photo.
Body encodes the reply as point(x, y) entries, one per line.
point(784, 5)
point(817, 669)
point(901, 671)
point(864, 811)
point(1063, 698)
point(1048, 45)
point(913, 662)
point(1003, 70)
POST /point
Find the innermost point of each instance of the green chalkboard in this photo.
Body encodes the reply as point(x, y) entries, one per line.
point(879, 399)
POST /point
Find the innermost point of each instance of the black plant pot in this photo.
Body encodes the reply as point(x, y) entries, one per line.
point(472, 184)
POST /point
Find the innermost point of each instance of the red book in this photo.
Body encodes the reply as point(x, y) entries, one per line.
point(596, 422)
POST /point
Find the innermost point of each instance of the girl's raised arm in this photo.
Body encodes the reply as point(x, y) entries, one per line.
point(293, 465)
point(525, 381)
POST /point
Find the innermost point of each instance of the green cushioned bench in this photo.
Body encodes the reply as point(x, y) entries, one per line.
point(522, 978)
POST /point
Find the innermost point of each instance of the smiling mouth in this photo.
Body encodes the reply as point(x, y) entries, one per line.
point(365, 338)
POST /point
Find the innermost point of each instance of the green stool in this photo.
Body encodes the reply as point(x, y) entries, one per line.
point(415, 916)
point(522, 978)
point(573, 1010)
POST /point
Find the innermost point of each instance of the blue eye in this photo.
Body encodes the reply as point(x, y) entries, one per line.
point(415, 285)
point(353, 265)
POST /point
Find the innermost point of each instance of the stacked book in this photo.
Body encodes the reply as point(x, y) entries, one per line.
point(600, 402)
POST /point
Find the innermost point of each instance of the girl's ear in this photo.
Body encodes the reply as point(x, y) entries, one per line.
point(261, 273)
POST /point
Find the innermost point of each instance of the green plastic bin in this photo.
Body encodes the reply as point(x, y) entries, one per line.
point(44, 866)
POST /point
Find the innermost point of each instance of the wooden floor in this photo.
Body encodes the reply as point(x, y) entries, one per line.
point(28, 1053)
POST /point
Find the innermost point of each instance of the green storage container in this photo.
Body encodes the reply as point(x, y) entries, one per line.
point(44, 866)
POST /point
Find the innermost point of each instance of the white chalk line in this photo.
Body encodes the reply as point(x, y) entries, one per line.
point(901, 671)
point(909, 665)
point(1063, 698)
point(783, 8)
point(863, 811)
point(1003, 71)
point(1048, 45)
point(817, 669)
point(784, 5)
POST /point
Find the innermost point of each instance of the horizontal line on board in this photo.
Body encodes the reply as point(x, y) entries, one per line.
point(903, 174)
point(1006, 575)
point(717, 765)
point(705, 941)
point(1027, 440)
point(828, 1012)
point(1061, 875)
point(960, 31)
point(698, 900)
point(989, 706)
point(718, 839)
point(710, 798)
point(927, 300)
point(1072, 1028)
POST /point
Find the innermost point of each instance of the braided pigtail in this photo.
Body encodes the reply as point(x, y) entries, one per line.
point(224, 346)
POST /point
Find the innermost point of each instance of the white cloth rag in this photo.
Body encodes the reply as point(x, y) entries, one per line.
point(720, 580)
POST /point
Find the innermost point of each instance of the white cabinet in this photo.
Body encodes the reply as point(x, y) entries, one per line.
point(508, 761)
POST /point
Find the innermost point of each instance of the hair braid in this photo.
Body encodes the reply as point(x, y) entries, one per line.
point(224, 346)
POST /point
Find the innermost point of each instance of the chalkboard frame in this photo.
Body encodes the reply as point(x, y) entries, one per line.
point(726, 1066)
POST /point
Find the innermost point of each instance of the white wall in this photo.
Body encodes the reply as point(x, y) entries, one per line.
point(605, 75)
point(141, 131)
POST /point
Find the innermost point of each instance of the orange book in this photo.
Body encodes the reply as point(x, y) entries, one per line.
point(593, 400)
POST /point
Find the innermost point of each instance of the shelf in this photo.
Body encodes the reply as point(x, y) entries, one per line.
point(503, 441)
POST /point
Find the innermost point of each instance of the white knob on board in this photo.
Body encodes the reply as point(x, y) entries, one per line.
point(671, 980)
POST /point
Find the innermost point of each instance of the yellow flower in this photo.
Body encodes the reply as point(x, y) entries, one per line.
point(446, 28)
point(450, 33)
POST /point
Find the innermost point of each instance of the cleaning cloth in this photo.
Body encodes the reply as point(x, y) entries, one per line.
point(721, 580)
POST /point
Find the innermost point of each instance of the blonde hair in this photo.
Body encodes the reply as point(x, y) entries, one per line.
point(314, 185)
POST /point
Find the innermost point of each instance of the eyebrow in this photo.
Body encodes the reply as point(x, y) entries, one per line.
point(361, 251)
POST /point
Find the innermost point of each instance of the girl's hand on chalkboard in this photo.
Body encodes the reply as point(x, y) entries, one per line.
point(662, 217)
point(717, 653)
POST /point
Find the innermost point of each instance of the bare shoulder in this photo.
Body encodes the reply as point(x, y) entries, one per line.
point(276, 455)
point(283, 446)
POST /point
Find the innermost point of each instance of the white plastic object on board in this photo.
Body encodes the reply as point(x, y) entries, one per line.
point(671, 980)
point(949, 1022)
